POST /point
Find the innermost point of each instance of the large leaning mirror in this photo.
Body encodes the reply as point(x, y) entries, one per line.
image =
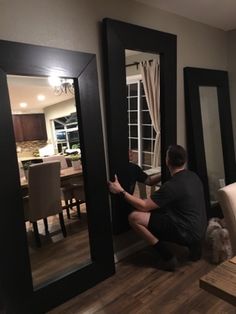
point(56, 236)
point(209, 131)
point(134, 122)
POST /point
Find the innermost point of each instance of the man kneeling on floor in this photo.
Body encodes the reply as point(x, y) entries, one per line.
point(174, 213)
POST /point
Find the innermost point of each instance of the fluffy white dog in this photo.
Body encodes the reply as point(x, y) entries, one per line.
point(217, 241)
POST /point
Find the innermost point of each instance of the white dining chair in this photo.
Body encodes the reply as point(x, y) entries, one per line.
point(44, 197)
point(21, 170)
point(227, 199)
point(60, 158)
point(79, 195)
point(68, 191)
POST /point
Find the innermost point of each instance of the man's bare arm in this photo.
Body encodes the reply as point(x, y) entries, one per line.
point(138, 203)
point(154, 179)
point(144, 205)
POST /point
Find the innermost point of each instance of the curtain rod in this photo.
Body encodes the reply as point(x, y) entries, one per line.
point(132, 64)
point(136, 63)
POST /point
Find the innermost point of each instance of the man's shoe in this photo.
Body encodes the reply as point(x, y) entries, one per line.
point(168, 265)
point(195, 251)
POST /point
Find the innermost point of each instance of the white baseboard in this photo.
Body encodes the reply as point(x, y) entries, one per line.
point(118, 256)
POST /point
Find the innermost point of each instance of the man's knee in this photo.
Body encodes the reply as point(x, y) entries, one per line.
point(138, 218)
point(134, 218)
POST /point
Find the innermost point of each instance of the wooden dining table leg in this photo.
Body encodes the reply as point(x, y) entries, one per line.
point(62, 223)
point(36, 234)
point(78, 208)
point(67, 208)
point(45, 220)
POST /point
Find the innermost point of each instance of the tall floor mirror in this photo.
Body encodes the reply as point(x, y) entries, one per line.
point(55, 226)
point(135, 122)
point(209, 131)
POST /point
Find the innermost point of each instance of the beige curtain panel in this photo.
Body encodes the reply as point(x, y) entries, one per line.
point(150, 71)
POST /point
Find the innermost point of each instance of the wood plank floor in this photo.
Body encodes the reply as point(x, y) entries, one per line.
point(59, 255)
point(138, 287)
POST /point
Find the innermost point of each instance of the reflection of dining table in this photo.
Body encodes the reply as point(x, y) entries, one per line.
point(68, 175)
point(221, 281)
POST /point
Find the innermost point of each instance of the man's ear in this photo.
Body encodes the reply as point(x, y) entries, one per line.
point(167, 160)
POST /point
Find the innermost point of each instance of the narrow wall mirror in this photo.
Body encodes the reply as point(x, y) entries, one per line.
point(212, 140)
point(129, 124)
point(44, 260)
point(209, 131)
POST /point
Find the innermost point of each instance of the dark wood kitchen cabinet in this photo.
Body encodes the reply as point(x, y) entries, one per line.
point(17, 128)
point(29, 127)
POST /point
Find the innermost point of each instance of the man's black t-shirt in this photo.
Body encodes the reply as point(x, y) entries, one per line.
point(136, 174)
point(182, 198)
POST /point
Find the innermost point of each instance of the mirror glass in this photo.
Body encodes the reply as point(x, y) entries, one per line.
point(143, 109)
point(212, 140)
point(47, 130)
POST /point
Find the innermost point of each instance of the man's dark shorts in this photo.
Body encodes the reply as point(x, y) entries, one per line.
point(162, 227)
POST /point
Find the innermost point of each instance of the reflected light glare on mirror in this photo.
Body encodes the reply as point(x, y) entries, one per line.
point(23, 104)
point(61, 85)
point(40, 97)
point(212, 139)
point(54, 81)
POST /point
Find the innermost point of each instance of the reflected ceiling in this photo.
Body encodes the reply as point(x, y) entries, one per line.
point(26, 89)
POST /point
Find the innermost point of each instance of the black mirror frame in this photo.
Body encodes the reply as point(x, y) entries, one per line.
point(193, 79)
point(15, 274)
point(118, 36)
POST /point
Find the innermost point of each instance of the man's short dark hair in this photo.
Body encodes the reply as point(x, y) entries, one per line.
point(177, 156)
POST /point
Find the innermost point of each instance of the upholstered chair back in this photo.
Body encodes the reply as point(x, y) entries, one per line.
point(44, 190)
point(21, 170)
point(60, 158)
point(227, 199)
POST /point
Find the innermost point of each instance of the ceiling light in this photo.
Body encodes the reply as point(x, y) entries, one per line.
point(61, 85)
point(40, 97)
point(54, 81)
point(23, 104)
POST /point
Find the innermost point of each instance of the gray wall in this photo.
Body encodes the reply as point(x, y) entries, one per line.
point(231, 36)
point(75, 25)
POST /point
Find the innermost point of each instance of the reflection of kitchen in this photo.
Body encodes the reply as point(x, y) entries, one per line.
point(45, 120)
point(45, 124)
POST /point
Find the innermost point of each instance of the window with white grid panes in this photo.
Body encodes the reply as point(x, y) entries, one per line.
point(141, 131)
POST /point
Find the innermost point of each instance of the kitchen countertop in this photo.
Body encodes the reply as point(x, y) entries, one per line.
point(28, 158)
point(37, 158)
